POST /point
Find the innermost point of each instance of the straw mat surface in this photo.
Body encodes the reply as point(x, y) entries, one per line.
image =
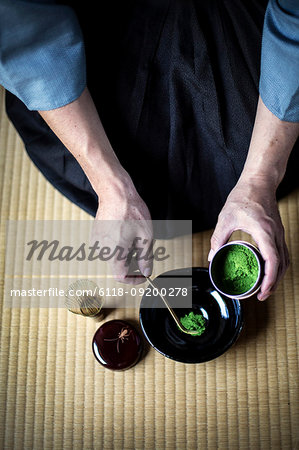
point(53, 394)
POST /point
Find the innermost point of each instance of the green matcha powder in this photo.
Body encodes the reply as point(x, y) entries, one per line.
point(237, 270)
point(194, 322)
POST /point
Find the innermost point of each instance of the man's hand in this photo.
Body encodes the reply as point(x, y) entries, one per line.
point(252, 207)
point(123, 220)
point(79, 127)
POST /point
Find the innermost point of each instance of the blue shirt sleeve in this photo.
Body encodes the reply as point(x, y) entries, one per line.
point(279, 79)
point(42, 58)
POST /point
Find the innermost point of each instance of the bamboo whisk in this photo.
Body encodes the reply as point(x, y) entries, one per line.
point(83, 298)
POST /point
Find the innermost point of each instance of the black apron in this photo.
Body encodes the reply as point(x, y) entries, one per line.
point(175, 83)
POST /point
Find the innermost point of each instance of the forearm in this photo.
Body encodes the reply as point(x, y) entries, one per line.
point(271, 144)
point(79, 128)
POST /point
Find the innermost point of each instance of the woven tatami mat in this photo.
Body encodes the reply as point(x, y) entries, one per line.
point(53, 394)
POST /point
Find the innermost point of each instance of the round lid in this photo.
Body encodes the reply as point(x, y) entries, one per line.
point(117, 345)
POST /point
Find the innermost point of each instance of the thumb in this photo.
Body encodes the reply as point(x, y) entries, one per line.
point(219, 237)
point(146, 264)
point(141, 260)
point(146, 268)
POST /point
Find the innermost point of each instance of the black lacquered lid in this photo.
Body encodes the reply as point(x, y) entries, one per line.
point(117, 345)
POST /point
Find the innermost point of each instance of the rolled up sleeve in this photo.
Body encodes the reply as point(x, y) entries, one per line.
point(279, 79)
point(42, 58)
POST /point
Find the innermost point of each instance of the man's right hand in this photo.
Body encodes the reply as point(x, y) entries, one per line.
point(80, 129)
point(123, 220)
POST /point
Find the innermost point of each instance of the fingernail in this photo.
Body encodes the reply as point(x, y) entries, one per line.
point(211, 254)
point(263, 297)
point(147, 271)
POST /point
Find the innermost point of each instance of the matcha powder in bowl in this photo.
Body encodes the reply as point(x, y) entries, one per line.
point(194, 322)
point(235, 269)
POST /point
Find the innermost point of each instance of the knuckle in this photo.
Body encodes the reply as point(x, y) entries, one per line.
point(268, 225)
point(275, 259)
point(215, 239)
point(225, 217)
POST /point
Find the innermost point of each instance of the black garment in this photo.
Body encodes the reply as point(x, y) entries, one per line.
point(176, 86)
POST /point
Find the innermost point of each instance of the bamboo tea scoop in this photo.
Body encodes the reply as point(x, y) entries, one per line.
point(136, 271)
point(174, 316)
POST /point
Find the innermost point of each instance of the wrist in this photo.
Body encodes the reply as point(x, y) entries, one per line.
point(265, 164)
point(112, 181)
point(103, 169)
point(271, 143)
point(252, 191)
point(116, 184)
point(262, 179)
